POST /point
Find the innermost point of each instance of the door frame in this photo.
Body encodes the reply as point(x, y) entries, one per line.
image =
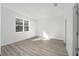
point(75, 30)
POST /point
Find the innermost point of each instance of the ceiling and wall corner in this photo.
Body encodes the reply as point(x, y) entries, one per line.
point(37, 10)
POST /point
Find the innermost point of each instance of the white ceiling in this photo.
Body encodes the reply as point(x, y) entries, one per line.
point(37, 10)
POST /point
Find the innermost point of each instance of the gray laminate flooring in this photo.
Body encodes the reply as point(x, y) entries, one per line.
point(35, 47)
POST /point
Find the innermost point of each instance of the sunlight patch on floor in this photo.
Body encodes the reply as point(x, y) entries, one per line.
point(44, 37)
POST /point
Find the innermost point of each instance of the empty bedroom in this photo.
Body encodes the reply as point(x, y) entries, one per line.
point(36, 29)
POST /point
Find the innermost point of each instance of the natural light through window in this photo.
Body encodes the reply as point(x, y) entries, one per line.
point(43, 37)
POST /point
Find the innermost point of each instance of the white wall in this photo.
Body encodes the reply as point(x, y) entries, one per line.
point(53, 27)
point(68, 14)
point(52, 23)
point(8, 23)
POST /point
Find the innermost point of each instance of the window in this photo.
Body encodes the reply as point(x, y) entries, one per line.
point(19, 25)
point(26, 25)
point(22, 25)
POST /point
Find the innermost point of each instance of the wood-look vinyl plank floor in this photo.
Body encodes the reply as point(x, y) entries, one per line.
point(35, 47)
